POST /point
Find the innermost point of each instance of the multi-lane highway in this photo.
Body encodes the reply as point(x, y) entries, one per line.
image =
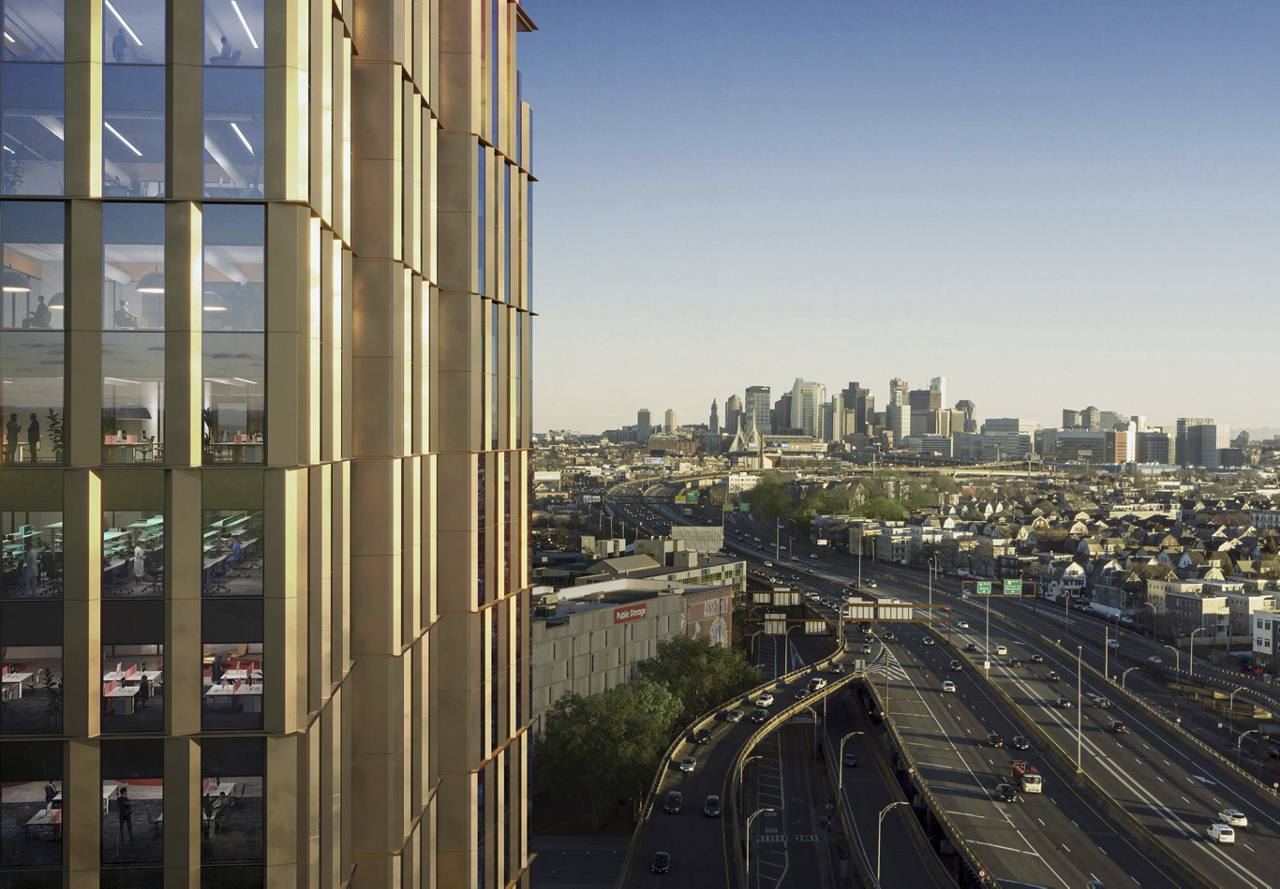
point(1056, 838)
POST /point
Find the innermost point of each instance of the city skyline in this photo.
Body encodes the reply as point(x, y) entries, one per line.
point(1036, 202)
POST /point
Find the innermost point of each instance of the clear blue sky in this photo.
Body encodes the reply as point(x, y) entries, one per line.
point(1052, 204)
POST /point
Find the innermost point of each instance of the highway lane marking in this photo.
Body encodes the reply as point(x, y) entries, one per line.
point(1125, 779)
point(1007, 849)
point(980, 784)
point(1041, 820)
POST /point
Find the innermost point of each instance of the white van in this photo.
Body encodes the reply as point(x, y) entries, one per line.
point(1221, 833)
point(1002, 650)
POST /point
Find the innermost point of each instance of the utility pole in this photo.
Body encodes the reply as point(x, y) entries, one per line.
point(777, 540)
point(986, 645)
point(1106, 651)
point(930, 592)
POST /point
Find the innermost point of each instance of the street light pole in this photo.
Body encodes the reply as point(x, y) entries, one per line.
point(750, 818)
point(930, 611)
point(1125, 675)
point(1231, 709)
point(742, 768)
point(1240, 741)
point(879, 832)
point(1079, 707)
point(1106, 650)
point(986, 643)
point(786, 649)
point(840, 760)
point(1191, 663)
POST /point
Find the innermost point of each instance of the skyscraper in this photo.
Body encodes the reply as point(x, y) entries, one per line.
point(732, 411)
point(898, 389)
point(274, 482)
point(1070, 419)
point(1091, 417)
point(862, 404)
point(713, 424)
point(759, 406)
point(669, 421)
point(970, 412)
point(644, 424)
point(939, 385)
point(1184, 453)
point(807, 399)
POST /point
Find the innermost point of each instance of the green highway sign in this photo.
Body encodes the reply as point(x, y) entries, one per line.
point(1012, 587)
point(983, 588)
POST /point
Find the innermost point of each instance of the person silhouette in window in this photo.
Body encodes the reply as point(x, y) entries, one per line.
point(33, 437)
point(125, 319)
point(12, 430)
point(41, 316)
point(119, 46)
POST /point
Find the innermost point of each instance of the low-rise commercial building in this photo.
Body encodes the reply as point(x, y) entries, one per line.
point(589, 638)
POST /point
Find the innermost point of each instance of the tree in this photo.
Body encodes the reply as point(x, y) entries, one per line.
point(700, 675)
point(769, 498)
point(605, 747)
point(884, 509)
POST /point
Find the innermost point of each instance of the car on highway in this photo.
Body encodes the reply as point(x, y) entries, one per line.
point(1113, 643)
point(971, 647)
point(765, 700)
point(711, 808)
point(688, 764)
point(866, 649)
point(1002, 651)
point(1017, 742)
point(674, 802)
point(817, 683)
point(1155, 660)
point(890, 636)
point(802, 694)
point(1233, 817)
point(994, 740)
point(1052, 676)
point(948, 686)
point(962, 625)
point(1116, 727)
point(928, 640)
point(701, 736)
point(813, 556)
point(1006, 793)
point(661, 863)
point(734, 715)
point(1037, 659)
point(759, 717)
point(837, 670)
point(1062, 704)
point(1221, 833)
point(872, 584)
point(1014, 662)
point(850, 760)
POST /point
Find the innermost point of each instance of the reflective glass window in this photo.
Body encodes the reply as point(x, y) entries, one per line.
point(132, 398)
point(34, 31)
point(234, 98)
point(32, 128)
point(133, 131)
point(506, 232)
point(232, 773)
point(31, 534)
point(132, 788)
point(234, 346)
point(481, 168)
point(133, 552)
point(232, 669)
point(132, 666)
point(31, 815)
point(30, 667)
point(133, 32)
point(32, 238)
point(232, 544)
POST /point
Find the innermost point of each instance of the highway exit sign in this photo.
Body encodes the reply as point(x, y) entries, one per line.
point(983, 588)
point(1012, 587)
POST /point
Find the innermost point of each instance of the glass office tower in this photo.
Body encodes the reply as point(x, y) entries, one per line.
point(265, 335)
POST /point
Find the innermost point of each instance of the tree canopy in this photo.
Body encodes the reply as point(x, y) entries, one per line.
point(605, 747)
point(700, 675)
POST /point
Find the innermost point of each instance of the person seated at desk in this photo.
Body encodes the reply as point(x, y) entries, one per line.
point(40, 316)
point(217, 669)
point(225, 54)
point(50, 793)
point(125, 319)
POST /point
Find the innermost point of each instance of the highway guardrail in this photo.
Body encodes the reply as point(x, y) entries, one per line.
point(1155, 847)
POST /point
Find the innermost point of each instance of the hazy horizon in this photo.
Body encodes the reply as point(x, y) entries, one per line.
point(1050, 205)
